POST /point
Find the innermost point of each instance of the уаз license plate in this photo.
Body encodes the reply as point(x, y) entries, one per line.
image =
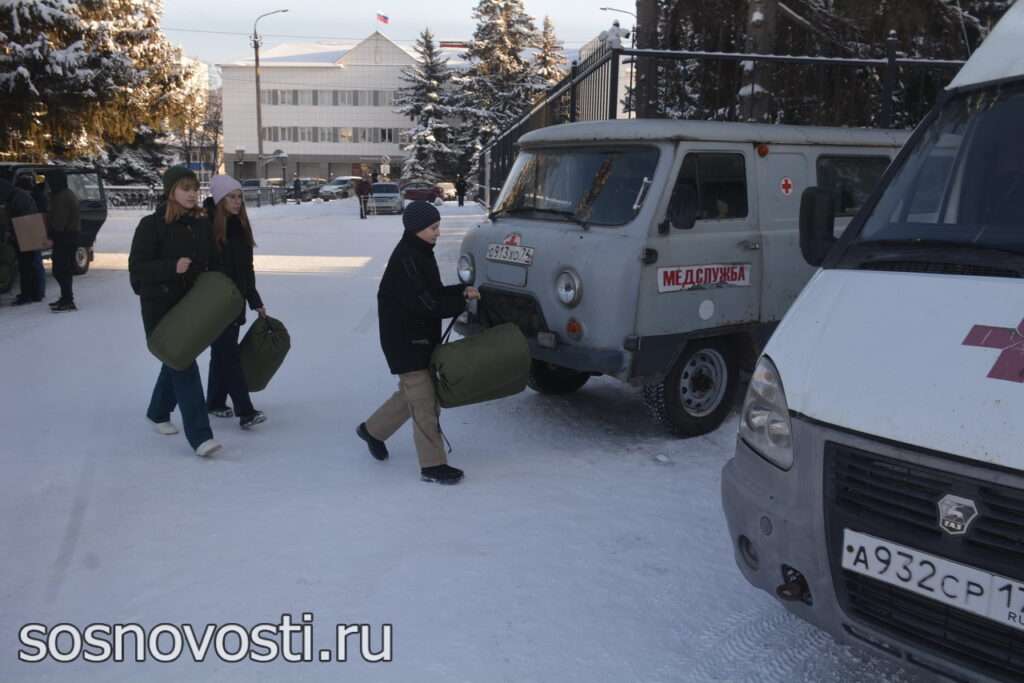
point(507, 253)
point(988, 595)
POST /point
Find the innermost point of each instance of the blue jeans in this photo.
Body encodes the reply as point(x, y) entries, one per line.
point(184, 389)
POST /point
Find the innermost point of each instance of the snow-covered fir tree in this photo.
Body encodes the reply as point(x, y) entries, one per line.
point(549, 62)
point(76, 73)
point(426, 99)
point(501, 83)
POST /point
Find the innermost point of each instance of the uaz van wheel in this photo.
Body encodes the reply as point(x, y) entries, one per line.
point(546, 378)
point(81, 263)
point(698, 393)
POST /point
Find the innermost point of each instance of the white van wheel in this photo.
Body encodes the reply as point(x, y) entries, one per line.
point(81, 263)
point(546, 378)
point(698, 393)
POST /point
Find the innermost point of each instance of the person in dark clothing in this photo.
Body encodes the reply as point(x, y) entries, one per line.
point(63, 225)
point(232, 249)
point(363, 190)
point(169, 250)
point(20, 203)
point(297, 189)
point(38, 192)
point(460, 190)
point(411, 304)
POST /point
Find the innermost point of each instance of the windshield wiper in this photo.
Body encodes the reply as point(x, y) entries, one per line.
point(920, 243)
point(533, 209)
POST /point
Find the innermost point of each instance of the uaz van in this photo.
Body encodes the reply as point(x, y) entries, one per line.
point(878, 483)
point(661, 253)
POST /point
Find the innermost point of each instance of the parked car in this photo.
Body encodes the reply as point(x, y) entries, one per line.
point(338, 188)
point(92, 201)
point(385, 198)
point(877, 487)
point(421, 190)
point(662, 253)
point(310, 189)
point(448, 191)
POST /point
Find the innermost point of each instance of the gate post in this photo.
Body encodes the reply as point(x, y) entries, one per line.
point(889, 79)
point(613, 85)
point(573, 72)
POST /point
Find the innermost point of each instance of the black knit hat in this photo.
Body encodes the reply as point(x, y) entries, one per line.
point(174, 174)
point(419, 215)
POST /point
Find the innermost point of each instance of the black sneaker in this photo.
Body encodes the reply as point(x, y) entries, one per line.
point(250, 421)
point(441, 474)
point(222, 412)
point(64, 307)
point(376, 446)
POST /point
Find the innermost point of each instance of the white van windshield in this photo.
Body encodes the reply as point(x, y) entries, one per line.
point(598, 185)
point(962, 188)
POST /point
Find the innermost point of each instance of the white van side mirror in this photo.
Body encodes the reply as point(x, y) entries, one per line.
point(682, 210)
point(817, 224)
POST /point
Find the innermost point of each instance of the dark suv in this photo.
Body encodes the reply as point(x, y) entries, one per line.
point(92, 199)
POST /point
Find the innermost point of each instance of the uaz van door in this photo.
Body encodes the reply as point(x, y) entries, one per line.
point(703, 282)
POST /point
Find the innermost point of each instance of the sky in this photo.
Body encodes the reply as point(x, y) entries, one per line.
point(206, 30)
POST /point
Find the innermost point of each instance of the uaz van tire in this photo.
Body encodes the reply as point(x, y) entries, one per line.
point(699, 391)
point(81, 261)
point(546, 378)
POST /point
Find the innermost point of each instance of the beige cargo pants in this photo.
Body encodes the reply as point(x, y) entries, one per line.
point(415, 398)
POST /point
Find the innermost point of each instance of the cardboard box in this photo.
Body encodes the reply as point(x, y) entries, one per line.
point(31, 232)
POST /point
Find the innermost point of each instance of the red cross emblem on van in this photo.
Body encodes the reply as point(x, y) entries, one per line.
point(513, 239)
point(1010, 364)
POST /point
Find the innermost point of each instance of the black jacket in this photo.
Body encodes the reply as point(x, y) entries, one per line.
point(17, 203)
point(156, 248)
point(234, 259)
point(411, 303)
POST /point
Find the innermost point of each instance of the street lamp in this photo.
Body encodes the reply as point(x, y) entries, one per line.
point(255, 40)
point(632, 58)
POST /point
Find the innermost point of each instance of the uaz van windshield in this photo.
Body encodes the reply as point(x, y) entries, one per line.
point(591, 186)
point(961, 190)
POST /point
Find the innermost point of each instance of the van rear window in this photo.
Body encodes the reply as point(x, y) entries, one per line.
point(851, 179)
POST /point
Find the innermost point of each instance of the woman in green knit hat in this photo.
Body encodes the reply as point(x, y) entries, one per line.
point(170, 249)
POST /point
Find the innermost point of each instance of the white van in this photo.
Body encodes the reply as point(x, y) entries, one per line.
point(878, 483)
point(662, 253)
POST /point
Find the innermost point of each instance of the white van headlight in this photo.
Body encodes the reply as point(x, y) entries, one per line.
point(569, 287)
point(467, 269)
point(765, 423)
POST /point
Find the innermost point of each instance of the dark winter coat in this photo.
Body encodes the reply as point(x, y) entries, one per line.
point(156, 248)
point(234, 259)
point(64, 221)
point(17, 203)
point(460, 187)
point(363, 188)
point(411, 303)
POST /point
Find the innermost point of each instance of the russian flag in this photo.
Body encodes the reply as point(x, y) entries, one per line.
point(383, 18)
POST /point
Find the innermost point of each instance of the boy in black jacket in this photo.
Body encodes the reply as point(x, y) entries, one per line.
point(411, 303)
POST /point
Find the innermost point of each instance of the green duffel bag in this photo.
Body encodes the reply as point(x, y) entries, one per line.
point(263, 350)
point(197, 320)
point(491, 365)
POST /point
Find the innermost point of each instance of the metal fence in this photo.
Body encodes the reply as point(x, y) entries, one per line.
point(147, 197)
point(724, 86)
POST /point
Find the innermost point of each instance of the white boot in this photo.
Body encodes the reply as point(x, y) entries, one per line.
point(165, 428)
point(207, 448)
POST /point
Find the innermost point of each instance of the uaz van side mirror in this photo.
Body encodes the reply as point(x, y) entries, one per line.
point(682, 211)
point(817, 224)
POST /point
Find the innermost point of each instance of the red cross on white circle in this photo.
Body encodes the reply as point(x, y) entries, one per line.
point(786, 186)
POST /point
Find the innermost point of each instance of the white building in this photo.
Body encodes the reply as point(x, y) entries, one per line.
point(329, 107)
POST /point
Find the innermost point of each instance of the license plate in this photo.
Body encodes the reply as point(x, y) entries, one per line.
point(958, 585)
point(507, 253)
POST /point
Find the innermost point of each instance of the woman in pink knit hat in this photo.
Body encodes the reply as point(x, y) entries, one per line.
point(232, 255)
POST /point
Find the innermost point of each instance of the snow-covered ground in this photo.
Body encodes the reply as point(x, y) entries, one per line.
point(584, 544)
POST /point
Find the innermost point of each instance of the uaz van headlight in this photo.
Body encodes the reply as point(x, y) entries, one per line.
point(467, 269)
point(569, 288)
point(765, 423)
